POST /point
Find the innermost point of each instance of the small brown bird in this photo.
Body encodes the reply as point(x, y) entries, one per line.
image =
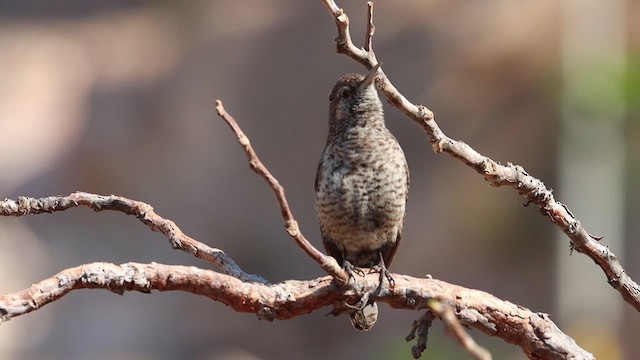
point(362, 184)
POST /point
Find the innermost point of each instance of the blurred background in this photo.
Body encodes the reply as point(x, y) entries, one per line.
point(118, 98)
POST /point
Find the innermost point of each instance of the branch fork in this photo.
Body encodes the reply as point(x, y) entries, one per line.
point(497, 174)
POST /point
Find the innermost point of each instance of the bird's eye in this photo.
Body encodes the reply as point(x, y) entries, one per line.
point(344, 93)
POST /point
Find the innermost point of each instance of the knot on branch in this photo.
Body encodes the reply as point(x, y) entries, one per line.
point(425, 114)
point(266, 313)
point(292, 228)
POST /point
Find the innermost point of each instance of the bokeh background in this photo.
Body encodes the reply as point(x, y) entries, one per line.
point(118, 97)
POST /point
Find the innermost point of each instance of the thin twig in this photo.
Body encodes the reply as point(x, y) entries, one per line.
point(420, 329)
point(538, 336)
point(343, 41)
point(497, 174)
point(144, 212)
point(327, 263)
point(371, 29)
point(446, 314)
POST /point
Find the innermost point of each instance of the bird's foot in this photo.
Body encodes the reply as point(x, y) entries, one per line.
point(384, 274)
point(351, 269)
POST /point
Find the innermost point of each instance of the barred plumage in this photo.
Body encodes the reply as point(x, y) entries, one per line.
point(362, 183)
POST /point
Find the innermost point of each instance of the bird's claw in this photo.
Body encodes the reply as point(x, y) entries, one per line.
point(384, 274)
point(350, 269)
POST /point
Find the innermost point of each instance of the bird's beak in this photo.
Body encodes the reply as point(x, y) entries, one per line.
point(370, 78)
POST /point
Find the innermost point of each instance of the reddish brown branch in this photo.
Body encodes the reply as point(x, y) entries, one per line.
point(538, 336)
point(328, 263)
point(144, 212)
point(497, 174)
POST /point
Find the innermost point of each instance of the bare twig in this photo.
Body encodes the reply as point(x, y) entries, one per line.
point(328, 263)
point(420, 329)
point(343, 41)
point(538, 336)
point(371, 29)
point(497, 174)
point(446, 314)
point(144, 212)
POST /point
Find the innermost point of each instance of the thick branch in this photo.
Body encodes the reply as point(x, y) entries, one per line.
point(535, 333)
point(144, 212)
point(328, 263)
point(494, 172)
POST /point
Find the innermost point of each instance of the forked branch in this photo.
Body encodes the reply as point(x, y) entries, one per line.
point(328, 263)
point(497, 174)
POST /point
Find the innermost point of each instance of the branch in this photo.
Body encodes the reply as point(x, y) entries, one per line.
point(144, 212)
point(497, 174)
point(328, 263)
point(446, 314)
point(371, 29)
point(535, 333)
point(420, 328)
point(344, 44)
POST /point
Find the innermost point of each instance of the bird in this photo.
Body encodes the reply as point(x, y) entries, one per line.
point(362, 185)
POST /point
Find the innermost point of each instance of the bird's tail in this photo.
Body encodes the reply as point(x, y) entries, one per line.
point(365, 318)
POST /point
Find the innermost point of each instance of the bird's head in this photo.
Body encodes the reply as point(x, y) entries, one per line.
point(354, 101)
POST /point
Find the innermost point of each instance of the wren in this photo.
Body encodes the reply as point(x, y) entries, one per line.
point(362, 185)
